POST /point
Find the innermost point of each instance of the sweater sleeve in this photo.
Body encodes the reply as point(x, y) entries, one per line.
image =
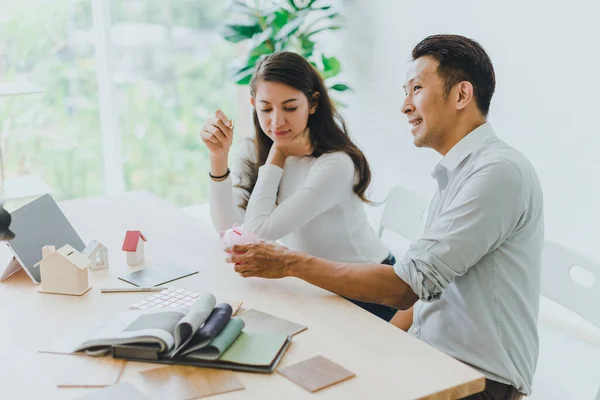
point(226, 196)
point(328, 183)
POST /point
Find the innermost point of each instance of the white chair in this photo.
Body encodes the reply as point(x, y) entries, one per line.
point(559, 264)
point(569, 362)
point(404, 213)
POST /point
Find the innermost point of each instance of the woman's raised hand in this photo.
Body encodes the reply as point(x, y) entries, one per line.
point(217, 135)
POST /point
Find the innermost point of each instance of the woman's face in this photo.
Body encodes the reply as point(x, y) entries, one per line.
point(282, 110)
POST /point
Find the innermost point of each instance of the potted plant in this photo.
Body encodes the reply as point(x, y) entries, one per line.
point(285, 25)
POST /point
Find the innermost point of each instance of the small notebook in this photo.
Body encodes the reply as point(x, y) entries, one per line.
point(157, 275)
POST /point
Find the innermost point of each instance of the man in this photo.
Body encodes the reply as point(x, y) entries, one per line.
point(476, 267)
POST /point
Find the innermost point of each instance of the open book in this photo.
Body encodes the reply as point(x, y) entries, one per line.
point(204, 334)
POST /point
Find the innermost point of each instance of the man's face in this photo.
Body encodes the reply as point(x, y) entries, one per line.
point(429, 112)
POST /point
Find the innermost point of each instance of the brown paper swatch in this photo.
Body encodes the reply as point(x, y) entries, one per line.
point(316, 373)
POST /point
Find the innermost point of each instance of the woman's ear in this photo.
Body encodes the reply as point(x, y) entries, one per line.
point(314, 102)
point(252, 101)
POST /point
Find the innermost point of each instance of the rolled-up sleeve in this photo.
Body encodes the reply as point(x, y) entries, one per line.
point(486, 208)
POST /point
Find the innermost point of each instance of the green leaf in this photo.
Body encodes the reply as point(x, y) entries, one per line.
point(309, 4)
point(316, 22)
point(237, 33)
point(307, 46)
point(331, 67)
point(263, 48)
point(327, 28)
point(278, 19)
point(262, 37)
point(280, 45)
point(243, 78)
point(330, 63)
point(325, 8)
point(293, 4)
point(290, 28)
point(340, 87)
point(262, 43)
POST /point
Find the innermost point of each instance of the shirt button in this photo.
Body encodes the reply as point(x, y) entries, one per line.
point(443, 192)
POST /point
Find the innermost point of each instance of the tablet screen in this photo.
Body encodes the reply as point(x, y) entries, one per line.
point(37, 224)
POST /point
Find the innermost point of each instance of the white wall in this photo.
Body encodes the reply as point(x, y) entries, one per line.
point(546, 56)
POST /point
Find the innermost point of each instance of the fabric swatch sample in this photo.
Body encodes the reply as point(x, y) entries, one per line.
point(316, 373)
point(221, 342)
point(258, 321)
point(255, 348)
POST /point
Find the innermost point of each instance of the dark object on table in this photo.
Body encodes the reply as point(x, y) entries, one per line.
point(5, 218)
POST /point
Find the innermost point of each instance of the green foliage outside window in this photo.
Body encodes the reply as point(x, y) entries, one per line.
point(165, 91)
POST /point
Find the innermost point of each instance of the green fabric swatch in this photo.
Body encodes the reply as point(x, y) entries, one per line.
point(255, 348)
point(221, 342)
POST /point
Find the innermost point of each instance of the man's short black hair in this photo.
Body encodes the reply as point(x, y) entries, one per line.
point(461, 59)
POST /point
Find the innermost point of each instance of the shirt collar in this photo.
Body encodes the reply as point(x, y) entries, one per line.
point(466, 146)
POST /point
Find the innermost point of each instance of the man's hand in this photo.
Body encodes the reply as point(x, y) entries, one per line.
point(263, 260)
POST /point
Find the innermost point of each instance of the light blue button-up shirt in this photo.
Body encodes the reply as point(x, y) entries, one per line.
point(476, 267)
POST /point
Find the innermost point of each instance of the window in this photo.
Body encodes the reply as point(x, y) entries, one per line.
point(54, 134)
point(167, 75)
point(170, 71)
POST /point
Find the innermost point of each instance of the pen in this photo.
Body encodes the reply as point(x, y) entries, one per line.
point(133, 289)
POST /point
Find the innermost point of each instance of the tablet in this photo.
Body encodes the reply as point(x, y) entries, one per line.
point(35, 225)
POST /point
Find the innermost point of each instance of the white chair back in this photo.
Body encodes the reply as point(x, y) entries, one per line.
point(404, 213)
point(558, 265)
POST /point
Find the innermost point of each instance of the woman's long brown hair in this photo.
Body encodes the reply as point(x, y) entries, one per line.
point(328, 132)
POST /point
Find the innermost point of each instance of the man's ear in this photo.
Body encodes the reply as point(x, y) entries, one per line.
point(314, 102)
point(464, 94)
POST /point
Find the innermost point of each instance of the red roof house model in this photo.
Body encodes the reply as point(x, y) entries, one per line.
point(131, 240)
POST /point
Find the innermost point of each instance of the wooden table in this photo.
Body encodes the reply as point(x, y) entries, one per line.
point(389, 364)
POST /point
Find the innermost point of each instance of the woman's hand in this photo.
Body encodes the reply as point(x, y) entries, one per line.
point(217, 135)
point(298, 146)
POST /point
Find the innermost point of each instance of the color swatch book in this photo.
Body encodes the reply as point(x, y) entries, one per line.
point(204, 334)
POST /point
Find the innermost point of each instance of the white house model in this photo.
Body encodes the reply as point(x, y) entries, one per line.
point(98, 255)
point(64, 271)
point(133, 245)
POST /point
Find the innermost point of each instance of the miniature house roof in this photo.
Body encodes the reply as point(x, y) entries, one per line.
point(71, 255)
point(131, 240)
point(92, 246)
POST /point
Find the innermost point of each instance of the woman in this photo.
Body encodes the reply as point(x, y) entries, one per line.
point(301, 179)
